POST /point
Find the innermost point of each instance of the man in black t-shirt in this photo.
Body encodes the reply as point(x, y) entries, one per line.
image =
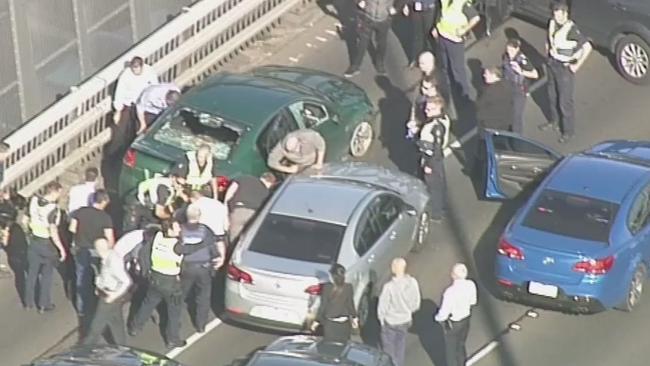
point(89, 224)
point(244, 197)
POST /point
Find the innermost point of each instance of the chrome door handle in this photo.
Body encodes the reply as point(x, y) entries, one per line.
point(393, 235)
point(513, 167)
point(371, 258)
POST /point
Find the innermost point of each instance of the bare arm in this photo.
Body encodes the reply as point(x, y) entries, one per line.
point(109, 234)
point(73, 226)
point(54, 234)
point(230, 193)
point(586, 50)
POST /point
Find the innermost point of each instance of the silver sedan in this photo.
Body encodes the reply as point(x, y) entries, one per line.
point(356, 214)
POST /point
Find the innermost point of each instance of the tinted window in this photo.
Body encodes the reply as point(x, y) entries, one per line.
point(572, 215)
point(507, 144)
point(299, 239)
point(638, 217)
point(389, 208)
point(281, 124)
point(368, 232)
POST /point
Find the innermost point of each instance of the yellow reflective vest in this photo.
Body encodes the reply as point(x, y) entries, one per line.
point(452, 18)
point(163, 258)
point(195, 176)
point(39, 224)
point(560, 48)
point(150, 187)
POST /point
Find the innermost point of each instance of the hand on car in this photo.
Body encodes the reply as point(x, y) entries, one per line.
point(361, 4)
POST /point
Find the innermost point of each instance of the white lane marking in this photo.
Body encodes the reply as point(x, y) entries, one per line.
point(331, 32)
point(322, 39)
point(195, 338)
point(309, 45)
point(294, 59)
point(476, 357)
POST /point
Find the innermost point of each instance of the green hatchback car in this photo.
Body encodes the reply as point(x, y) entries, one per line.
point(243, 116)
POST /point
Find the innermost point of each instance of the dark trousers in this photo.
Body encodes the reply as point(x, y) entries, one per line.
point(455, 339)
point(366, 29)
point(337, 331)
point(199, 277)
point(137, 216)
point(150, 118)
point(85, 279)
point(422, 25)
point(42, 257)
point(107, 315)
point(452, 63)
point(393, 341)
point(162, 288)
point(437, 184)
point(519, 106)
point(123, 133)
point(561, 86)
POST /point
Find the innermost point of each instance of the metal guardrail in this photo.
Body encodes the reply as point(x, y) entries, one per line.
point(185, 50)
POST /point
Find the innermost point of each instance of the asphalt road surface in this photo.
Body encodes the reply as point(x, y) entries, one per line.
point(607, 107)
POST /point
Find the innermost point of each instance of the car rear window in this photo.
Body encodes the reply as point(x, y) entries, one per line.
point(299, 239)
point(188, 129)
point(572, 215)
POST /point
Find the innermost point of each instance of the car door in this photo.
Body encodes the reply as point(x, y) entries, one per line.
point(514, 163)
point(318, 116)
point(393, 214)
point(279, 126)
point(638, 222)
point(539, 10)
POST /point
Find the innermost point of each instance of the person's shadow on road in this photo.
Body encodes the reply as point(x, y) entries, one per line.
point(429, 332)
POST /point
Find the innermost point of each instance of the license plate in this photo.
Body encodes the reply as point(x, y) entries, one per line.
point(271, 313)
point(542, 289)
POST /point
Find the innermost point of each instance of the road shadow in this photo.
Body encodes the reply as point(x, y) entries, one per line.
point(429, 332)
point(17, 258)
point(394, 109)
point(346, 13)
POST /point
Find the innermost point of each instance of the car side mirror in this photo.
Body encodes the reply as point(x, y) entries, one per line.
point(410, 210)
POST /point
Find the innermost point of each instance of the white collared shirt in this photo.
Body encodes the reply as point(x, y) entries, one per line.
point(80, 195)
point(214, 214)
point(130, 86)
point(457, 301)
point(127, 242)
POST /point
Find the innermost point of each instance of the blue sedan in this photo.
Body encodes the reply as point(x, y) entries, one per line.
point(581, 242)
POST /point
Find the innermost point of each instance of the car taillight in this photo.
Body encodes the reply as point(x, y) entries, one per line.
point(595, 266)
point(314, 289)
point(238, 275)
point(130, 158)
point(222, 182)
point(509, 250)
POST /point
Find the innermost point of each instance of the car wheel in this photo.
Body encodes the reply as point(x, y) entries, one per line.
point(361, 139)
point(422, 237)
point(363, 310)
point(633, 59)
point(635, 289)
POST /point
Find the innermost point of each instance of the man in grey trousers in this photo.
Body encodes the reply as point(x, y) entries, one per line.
point(399, 299)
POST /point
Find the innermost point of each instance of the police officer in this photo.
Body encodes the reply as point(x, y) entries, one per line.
point(422, 13)
point(45, 246)
point(457, 19)
point(518, 70)
point(434, 137)
point(155, 200)
point(198, 169)
point(199, 246)
point(567, 50)
point(164, 283)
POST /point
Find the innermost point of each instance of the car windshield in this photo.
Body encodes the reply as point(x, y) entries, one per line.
point(299, 239)
point(572, 215)
point(188, 129)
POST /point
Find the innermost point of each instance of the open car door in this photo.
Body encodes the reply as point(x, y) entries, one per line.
point(514, 163)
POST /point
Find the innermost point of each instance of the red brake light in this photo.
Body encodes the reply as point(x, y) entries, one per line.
point(595, 266)
point(222, 182)
point(509, 250)
point(238, 275)
point(130, 158)
point(314, 289)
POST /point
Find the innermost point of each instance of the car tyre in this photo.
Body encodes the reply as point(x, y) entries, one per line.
point(422, 235)
point(361, 139)
point(363, 310)
point(633, 59)
point(635, 289)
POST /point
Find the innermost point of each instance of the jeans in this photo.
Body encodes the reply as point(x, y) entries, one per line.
point(42, 257)
point(452, 62)
point(85, 279)
point(239, 218)
point(393, 341)
point(561, 86)
point(162, 288)
point(366, 29)
point(422, 25)
point(455, 339)
point(107, 315)
point(199, 276)
point(437, 185)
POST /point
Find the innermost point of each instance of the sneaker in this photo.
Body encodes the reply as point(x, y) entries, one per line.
point(564, 138)
point(351, 72)
point(548, 125)
point(381, 70)
point(131, 331)
point(176, 344)
point(46, 309)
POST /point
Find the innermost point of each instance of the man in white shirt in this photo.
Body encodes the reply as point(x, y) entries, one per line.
point(455, 311)
point(153, 101)
point(80, 194)
point(130, 85)
point(214, 214)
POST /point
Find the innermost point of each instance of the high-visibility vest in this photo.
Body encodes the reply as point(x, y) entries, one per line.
point(561, 48)
point(195, 176)
point(38, 222)
point(150, 187)
point(163, 258)
point(452, 17)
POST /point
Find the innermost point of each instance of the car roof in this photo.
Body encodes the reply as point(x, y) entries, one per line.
point(310, 350)
point(104, 355)
point(597, 176)
point(313, 199)
point(243, 98)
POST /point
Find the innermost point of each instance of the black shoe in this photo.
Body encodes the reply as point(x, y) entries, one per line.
point(381, 70)
point(200, 329)
point(46, 309)
point(351, 72)
point(437, 219)
point(564, 139)
point(547, 126)
point(132, 332)
point(176, 344)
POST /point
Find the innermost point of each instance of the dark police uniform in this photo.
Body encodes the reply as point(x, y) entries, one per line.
point(423, 13)
point(520, 85)
point(198, 244)
point(434, 159)
point(140, 209)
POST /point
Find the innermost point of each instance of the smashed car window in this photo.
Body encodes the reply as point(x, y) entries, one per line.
point(188, 129)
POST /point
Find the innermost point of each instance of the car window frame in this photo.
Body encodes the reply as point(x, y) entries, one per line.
point(368, 218)
point(635, 206)
point(545, 153)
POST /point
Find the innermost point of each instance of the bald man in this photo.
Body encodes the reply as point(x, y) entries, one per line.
point(298, 150)
point(454, 312)
point(399, 299)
